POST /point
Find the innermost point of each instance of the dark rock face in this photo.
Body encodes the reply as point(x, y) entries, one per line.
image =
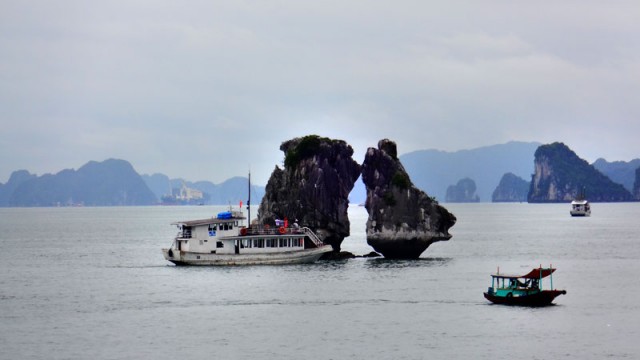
point(560, 176)
point(463, 192)
point(403, 220)
point(313, 188)
point(511, 188)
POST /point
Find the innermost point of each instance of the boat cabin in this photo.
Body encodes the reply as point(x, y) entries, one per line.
point(226, 234)
point(504, 285)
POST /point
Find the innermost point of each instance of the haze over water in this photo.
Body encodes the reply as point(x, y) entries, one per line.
point(91, 283)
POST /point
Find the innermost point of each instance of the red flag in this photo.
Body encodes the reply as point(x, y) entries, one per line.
point(240, 204)
point(286, 222)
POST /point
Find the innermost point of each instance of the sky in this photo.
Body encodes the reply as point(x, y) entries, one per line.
point(208, 90)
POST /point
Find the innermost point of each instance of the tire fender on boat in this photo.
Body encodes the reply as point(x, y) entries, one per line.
point(510, 295)
point(281, 230)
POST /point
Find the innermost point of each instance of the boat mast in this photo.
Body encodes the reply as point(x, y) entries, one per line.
point(249, 203)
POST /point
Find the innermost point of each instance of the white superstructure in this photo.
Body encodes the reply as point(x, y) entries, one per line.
point(580, 208)
point(224, 240)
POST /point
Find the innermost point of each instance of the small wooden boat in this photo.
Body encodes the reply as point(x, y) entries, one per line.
point(523, 290)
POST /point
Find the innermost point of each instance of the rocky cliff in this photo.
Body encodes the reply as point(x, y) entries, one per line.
point(560, 175)
point(462, 192)
point(403, 220)
point(313, 187)
point(511, 188)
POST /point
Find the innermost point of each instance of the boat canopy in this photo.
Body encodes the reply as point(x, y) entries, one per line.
point(537, 273)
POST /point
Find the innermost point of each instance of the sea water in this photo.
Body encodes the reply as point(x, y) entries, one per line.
point(91, 283)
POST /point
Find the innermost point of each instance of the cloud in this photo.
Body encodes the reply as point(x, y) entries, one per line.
point(171, 87)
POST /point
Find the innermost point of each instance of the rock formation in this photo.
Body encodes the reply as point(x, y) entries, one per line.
point(511, 188)
point(403, 220)
point(560, 175)
point(463, 192)
point(313, 187)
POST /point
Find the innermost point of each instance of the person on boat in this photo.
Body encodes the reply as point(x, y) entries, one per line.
point(534, 284)
point(513, 283)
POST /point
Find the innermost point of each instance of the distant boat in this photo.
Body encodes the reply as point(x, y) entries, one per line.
point(523, 290)
point(580, 206)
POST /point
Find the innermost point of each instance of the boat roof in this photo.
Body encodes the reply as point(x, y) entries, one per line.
point(211, 220)
point(533, 274)
point(581, 202)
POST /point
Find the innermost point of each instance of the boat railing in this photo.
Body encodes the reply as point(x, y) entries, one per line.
point(316, 240)
point(268, 230)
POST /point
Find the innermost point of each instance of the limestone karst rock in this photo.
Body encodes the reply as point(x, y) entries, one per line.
point(462, 192)
point(313, 188)
point(560, 175)
point(511, 188)
point(403, 220)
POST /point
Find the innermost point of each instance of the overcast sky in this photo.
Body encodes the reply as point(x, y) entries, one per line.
point(206, 90)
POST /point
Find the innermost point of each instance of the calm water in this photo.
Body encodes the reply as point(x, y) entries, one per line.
point(91, 283)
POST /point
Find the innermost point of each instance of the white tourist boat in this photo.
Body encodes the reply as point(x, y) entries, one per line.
point(224, 240)
point(580, 208)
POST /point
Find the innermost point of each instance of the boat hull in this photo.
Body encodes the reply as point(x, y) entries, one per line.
point(279, 258)
point(580, 213)
point(542, 298)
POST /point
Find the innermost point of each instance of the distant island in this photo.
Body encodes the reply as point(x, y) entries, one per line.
point(560, 175)
point(511, 188)
point(499, 173)
point(462, 192)
point(114, 182)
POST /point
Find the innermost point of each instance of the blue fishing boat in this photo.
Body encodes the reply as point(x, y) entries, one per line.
point(523, 290)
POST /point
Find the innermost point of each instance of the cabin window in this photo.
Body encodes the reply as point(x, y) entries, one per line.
point(246, 243)
point(186, 232)
point(226, 226)
point(259, 243)
point(282, 243)
point(230, 226)
point(219, 244)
